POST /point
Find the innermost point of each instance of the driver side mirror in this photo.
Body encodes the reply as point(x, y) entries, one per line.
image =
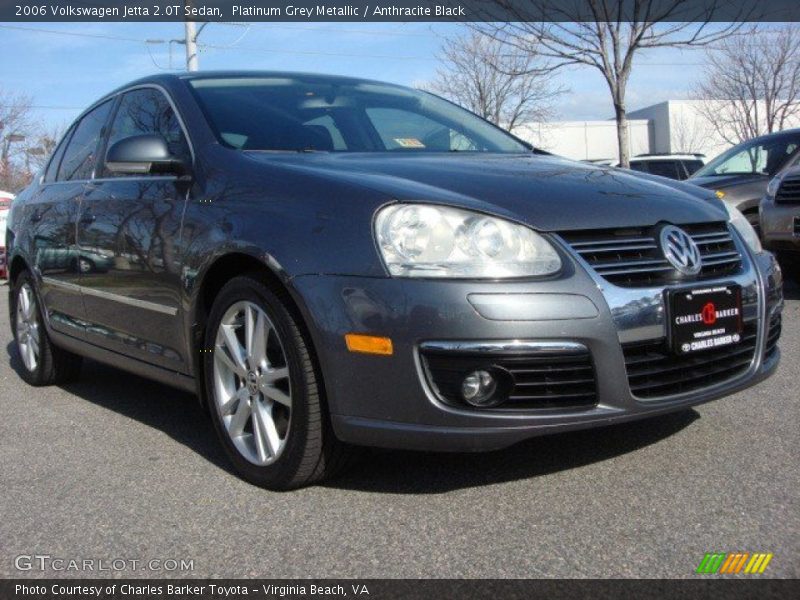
point(144, 155)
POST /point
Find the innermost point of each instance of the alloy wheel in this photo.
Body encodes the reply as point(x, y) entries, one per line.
point(28, 327)
point(252, 387)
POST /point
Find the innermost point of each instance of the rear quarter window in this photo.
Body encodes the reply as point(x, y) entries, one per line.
point(80, 155)
point(55, 161)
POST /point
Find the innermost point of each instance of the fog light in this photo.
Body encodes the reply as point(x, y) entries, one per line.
point(478, 388)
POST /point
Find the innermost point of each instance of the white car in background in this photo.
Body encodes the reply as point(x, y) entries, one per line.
point(5, 207)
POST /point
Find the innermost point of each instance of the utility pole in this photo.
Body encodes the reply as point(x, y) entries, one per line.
point(191, 46)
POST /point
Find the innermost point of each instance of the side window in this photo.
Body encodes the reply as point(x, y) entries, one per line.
point(639, 165)
point(665, 168)
point(55, 160)
point(80, 154)
point(147, 111)
point(692, 165)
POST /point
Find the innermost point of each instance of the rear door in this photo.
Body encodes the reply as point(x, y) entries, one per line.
point(51, 215)
point(129, 235)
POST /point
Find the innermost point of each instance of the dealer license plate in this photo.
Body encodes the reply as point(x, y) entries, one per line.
point(705, 318)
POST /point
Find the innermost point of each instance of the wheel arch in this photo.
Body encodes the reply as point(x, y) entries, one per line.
point(222, 269)
point(17, 266)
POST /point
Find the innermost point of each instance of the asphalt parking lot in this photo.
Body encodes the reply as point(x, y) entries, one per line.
point(117, 467)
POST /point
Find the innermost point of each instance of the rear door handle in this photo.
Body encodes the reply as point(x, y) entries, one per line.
point(87, 218)
point(36, 216)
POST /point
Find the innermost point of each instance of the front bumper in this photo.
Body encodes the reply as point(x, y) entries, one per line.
point(387, 401)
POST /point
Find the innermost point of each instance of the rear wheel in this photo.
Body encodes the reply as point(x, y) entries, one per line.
point(263, 390)
point(42, 362)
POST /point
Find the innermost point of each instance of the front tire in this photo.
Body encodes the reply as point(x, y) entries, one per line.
point(42, 362)
point(263, 391)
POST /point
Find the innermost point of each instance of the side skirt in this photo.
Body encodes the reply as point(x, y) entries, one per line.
point(126, 363)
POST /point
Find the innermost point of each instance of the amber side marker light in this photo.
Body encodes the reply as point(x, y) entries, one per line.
point(369, 344)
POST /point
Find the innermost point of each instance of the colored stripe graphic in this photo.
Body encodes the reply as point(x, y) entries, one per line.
point(711, 562)
point(758, 563)
point(734, 562)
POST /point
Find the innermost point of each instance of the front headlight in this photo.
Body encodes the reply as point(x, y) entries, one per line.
point(740, 222)
point(424, 240)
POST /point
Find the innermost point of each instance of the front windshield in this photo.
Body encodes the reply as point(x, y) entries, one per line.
point(757, 157)
point(307, 113)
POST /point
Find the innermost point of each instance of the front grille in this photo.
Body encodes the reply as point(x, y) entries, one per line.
point(789, 191)
point(773, 335)
point(546, 380)
point(654, 371)
point(632, 257)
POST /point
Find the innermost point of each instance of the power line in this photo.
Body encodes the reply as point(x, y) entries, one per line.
point(316, 53)
point(358, 31)
point(219, 46)
point(101, 36)
point(47, 107)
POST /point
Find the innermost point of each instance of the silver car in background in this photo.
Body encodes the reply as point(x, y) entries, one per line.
point(780, 219)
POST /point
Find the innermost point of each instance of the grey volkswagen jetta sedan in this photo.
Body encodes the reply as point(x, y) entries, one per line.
point(331, 262)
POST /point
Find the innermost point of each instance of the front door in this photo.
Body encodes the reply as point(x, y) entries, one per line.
point(129, 236)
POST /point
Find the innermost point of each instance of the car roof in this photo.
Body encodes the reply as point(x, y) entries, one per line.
point(165, 78)
point(775, 134)
point(641, 157)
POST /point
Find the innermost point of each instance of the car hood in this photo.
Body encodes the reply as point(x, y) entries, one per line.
point(548, 193)
point(716, 182)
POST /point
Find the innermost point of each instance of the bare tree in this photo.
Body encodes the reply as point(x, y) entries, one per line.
point(39, 145)
point(751, 86)
point(16, 123)
point(508, 90)
point(606, 35)
point(690, 132)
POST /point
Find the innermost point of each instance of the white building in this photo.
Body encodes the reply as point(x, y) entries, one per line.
point(586, 140)
point(672, 126)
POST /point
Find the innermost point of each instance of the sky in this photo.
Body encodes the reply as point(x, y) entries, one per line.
point(64, 67)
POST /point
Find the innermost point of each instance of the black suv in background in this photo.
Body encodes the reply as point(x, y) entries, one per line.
point(780, 219)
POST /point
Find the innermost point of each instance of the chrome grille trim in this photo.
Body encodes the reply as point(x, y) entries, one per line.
point(631, 257)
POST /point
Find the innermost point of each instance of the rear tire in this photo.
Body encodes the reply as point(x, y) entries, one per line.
point(263, 391)
point(42, 362)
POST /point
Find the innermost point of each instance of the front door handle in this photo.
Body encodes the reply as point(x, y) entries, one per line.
point(36, 216)
point(87, 218)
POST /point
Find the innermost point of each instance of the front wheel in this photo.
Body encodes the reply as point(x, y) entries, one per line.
point(42, 362)
point(263, 390)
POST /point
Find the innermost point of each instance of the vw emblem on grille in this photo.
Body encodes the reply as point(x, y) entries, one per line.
point(680, 250)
